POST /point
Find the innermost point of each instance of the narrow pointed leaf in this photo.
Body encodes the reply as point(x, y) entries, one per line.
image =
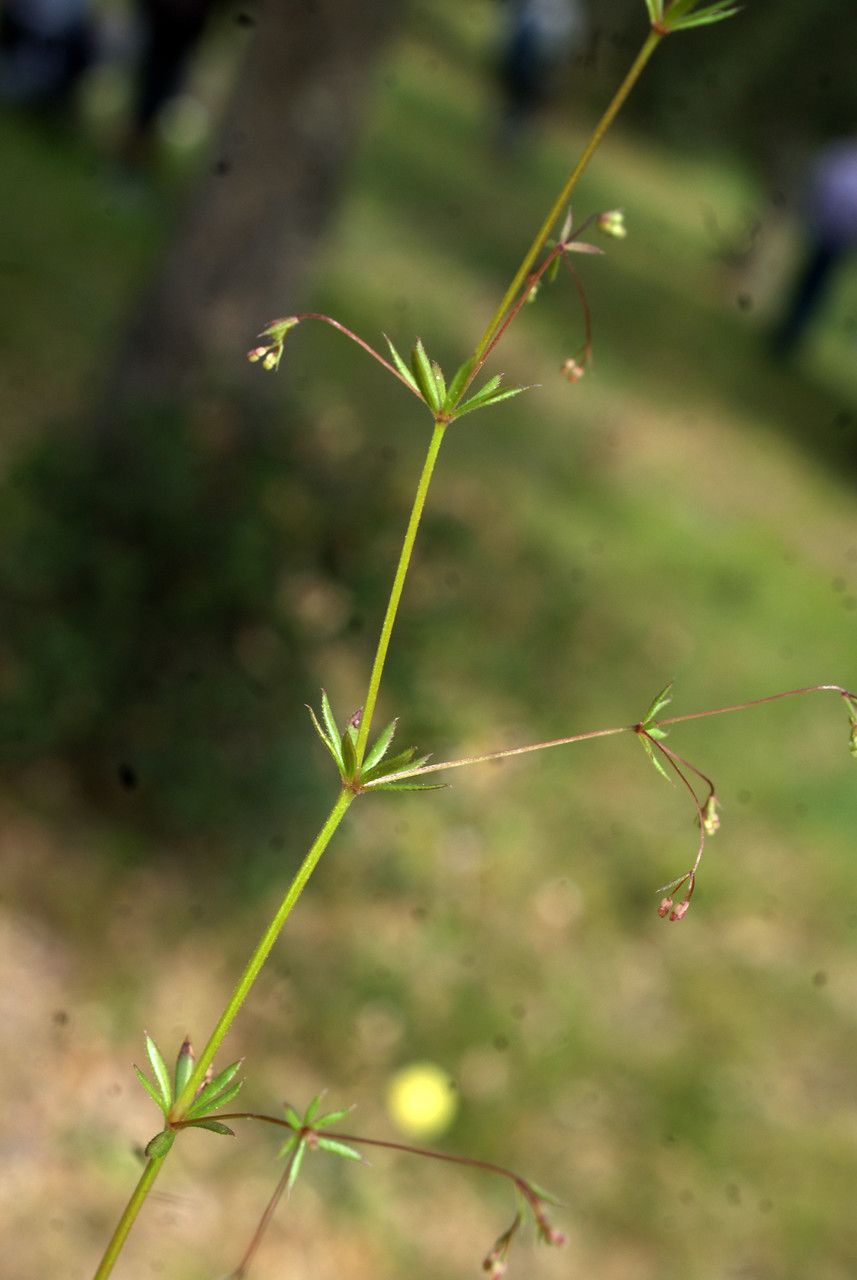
point(297, 1161)
point(389, 768)
point(330, 746)
point(214, 1088)
point(439, 381)
point(215, 1101)
point(470, 406)
point(339, 1149)
point(292, 1116)
point(663, 699)
point(160, 1144)
point(486, 390)
point(653, 7)
point(216, 1126)
point(184, 1066)
point(222, 1079)
point(553, 270)
point(655, 758)
point(391, 765)
point(329, 720)
point(409, 786)
point(332, 1117)
point(152, 1091)
point(716, 13)
point(312, 1110)
point(159, 1067)
point(654, 731)
point(349, 759)
point(582, 246)
point(288, 1146)
point(400, 365)
point(421, 366)
point(546, 1195)
point(458, 383)
point(380, 747)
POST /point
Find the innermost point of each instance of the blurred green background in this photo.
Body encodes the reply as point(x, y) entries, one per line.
point(175, 588)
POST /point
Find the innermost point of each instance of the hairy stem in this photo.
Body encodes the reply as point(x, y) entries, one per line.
point(500, 755)
point(652, 41)
point(132, 1208)
point(239, 995)
point(757, 702)
point(264, 1222)
point(396, 590)
point(261, 953)
point(606, 733)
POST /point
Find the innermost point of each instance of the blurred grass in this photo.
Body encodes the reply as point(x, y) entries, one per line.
point(687, 511)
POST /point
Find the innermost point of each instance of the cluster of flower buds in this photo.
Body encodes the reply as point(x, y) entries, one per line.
point(668, 907)
point(271, 353)
point(612, 223)
point(497, 1260)
point(572, 369)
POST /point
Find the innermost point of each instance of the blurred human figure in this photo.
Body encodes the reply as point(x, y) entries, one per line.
point(45, 46)
point(171, 30)
point(539, 38)
point(831, 226)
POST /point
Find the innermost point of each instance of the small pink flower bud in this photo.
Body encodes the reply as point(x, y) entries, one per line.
point(665, 907)
point(572, 369)
point(679, 912)
point(495, 1267)
point(256, 354)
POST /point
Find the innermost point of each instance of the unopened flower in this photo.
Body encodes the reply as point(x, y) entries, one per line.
point(497, 1259)
point(612, 223)
point(710, 816)
point(667, 906)
point(572, 369)
point(272, 352)
point(547, 1233)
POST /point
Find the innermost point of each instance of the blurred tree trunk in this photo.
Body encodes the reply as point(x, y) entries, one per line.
point(240, 253)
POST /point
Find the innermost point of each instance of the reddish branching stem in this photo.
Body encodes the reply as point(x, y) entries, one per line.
point(534, 1200)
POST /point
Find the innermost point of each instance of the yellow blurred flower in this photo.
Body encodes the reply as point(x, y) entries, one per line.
point(421, 1100)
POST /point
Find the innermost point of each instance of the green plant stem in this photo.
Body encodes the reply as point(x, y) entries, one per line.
point(261, 953)
point(239, 995)
point(132, 1208)
point(396, 591)
point(558, 208)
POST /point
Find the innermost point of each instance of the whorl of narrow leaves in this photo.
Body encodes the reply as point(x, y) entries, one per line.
point(682, 15)
point(213, 1095)
point(377, 765)
point(427, 378)
point(306, 1136)
point(648, 728)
